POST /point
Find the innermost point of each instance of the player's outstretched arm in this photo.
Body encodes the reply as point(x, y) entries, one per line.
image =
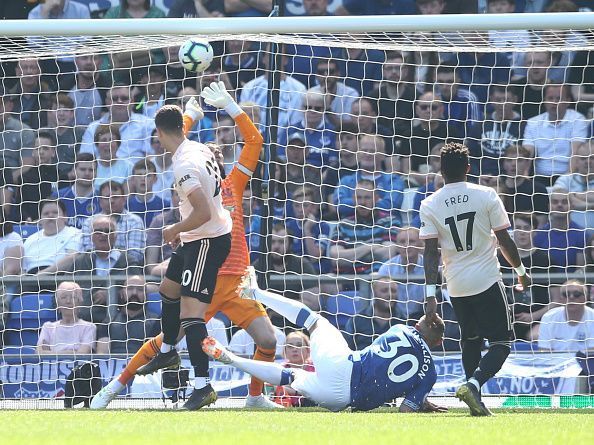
point(510, 252)
point(192, 113)
point(431, 266)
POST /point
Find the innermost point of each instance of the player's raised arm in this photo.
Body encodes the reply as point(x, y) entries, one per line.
point(192, 112)
point(217, 96)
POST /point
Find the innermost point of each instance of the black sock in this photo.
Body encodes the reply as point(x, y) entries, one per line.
point(196, 332)
point(491, 363)
point(471, 355)
point(169, 319)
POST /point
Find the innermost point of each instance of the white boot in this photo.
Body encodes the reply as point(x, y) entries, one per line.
point(107, 394)
point(261, 402)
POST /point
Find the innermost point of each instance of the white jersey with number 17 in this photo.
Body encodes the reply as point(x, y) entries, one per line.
point(463, 216)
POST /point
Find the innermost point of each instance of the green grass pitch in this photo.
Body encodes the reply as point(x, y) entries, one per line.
point(230, 427)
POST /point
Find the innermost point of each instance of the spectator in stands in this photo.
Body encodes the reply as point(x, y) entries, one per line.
point(163, 163)
point(580, 186)
point(319, 133)
point(241, 62)
point(226, 139)
point(291, 98)
point(130, 233)
point(32, 92)
point(508, 38)
point(363, 328)
point(394, 96)
point(564, 240)
point(408, 262)
point(134, 9)
point(571, 326)
point(553, 136)
point(202, 131)
point(16, 138)
point(338, 97)
point(297, 355)
point(70, 334)
point(362, 242)
point(132, 325)
point(581, 80)
point(355, 7)
point(461, 108)
point(364, 116)
point(389, 187)
point(109, 167)
point(529, 305)
point(310, 234)
point(86, 93)
point(348, 145)
point(54, 241)
point(35, 180)
point(157, 252)
point(61, 121)
point(431, 130)
point(361, 68)
point(11, 250)
point(60, 9)
point(520, 192)
point(248, 8)
point(296, 171)
point(151, 95)
point(135, 128)
point(141, 200)
point(80, 199)
point(480, 70)
point(193, 8)
point(531, 87)
point(488, 141)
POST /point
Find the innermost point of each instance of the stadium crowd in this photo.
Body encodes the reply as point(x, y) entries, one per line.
point(86, 186)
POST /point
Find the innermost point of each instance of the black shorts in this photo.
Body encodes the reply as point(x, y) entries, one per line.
point(195, 266)
point(485, 315)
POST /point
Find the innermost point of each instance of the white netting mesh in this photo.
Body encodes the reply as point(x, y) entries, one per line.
point(370, 110)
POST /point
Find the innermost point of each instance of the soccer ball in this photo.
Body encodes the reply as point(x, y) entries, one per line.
point(196, 54)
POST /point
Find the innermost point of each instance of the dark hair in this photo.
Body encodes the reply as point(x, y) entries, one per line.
point(445, 68)
point(503, 89)
point(527, 217)
point(511, 2)
point(113, 186)
point(47, 134)
point(565, 89)
point(112, 130)
point(64, 100)
point(348, 127)
point(169, 119)
point(85, 157)
point(144, 164)
point(454, 160)
point(57, 202)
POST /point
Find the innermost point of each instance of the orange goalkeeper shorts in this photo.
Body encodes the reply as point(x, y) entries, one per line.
point(227, 300)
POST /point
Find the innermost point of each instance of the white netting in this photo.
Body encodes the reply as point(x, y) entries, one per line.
point(360, 117)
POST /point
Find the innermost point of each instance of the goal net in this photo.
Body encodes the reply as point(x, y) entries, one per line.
point(331, 214)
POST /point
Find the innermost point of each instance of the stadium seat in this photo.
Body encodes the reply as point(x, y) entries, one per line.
point(25, 230)
point(153, 303)
point(30, 311)
point(340, 308)
point(19, 350)
point(524, 346)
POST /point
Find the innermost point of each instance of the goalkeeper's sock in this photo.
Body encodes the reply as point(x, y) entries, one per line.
point(272, 373)
point(264, 355)
point(294, 311)
point(195, 329)
point(144, 355)
point(491, 363)
point(170, 322)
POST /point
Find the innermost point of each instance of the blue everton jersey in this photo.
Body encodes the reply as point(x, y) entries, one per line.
point(398, 363)
point(77, 209)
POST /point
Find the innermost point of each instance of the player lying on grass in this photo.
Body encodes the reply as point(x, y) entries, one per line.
point(250, 315)
point(397, 364)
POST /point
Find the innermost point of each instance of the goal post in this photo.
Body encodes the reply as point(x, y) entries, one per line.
point(363, 106)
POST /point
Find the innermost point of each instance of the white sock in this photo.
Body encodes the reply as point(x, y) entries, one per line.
point(116, 385)
point(294, 311)
point(201, 382)
point(475, 383)
point(272, 373)
point(166, 348)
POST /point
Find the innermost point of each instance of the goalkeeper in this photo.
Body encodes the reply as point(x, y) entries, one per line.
point(398, 363)
point(247, 314)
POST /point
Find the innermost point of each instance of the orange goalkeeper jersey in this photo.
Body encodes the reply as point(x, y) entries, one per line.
point(232, 188)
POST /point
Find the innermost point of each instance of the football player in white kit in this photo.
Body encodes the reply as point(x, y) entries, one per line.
point(204, 234)
point(468, 221)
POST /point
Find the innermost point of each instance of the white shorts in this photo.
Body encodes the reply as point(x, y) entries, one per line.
point(330, 385)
